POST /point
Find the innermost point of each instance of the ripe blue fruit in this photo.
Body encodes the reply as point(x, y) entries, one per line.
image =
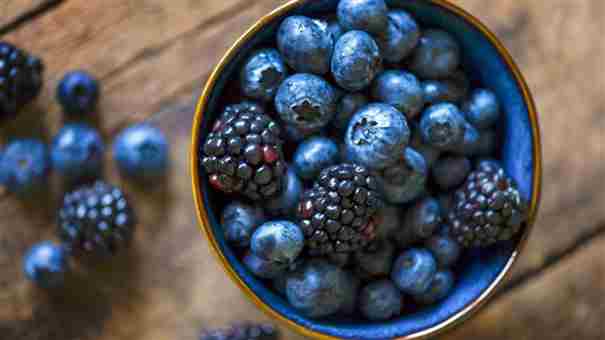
point(262, 74)
point(400, 89)
point(380, 300)
point(482, 110)
point(439, 289)
point(400, 38)
point(442, 126)
point(141, 151)
point(24, 165)
point(365, 15)
point(46, 264)
point(286, 202)
point(414, 270)
point(305, 44)
point(356, 61)
point(239, 221)
point(77, 151)
point(277, 241)
point(450, 172)
point(406, 180)
point(437, 55)
point(78, 93)
point(314, 155)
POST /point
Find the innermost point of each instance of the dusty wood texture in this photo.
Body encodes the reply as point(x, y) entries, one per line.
point(153, 56)
point(15, 12)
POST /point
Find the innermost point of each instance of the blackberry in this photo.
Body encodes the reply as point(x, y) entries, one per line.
point(96, 219)
point(20, 79)
point(337, 214)
point(243, 153)
point(488, 208)
point(243, 331)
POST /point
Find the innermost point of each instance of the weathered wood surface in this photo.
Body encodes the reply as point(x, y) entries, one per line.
point(153, 56)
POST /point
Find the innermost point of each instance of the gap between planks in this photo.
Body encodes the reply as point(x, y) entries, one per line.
point(29, 15)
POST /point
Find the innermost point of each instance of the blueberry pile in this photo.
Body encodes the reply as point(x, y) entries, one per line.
point(360, 164)
point(96, 218)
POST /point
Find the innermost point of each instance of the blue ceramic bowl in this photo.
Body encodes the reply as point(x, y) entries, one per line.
point(481, 271)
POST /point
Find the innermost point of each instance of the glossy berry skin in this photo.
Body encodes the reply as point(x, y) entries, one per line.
point(442, 126)
point(450, 172)
point(263, 268)
point(400, 89)
point(445, 249)
point(317, 289)
point(437, 55)
point(482, 110)
point(406, 180)
point(278, 241)
point(470, 144)
point(365, 15)
point(439, 289)
point(380, 300)
point(46, 264)
point(305, 44)
point(423, 217)
point(400, 38)
point(376, 135)
point(313, 155)
point(348, 105)
point(335, 30)
point(77, 151)
point(356, 61)
point(141, 151)
point(262, 74)
point(428, 152)
point(453, 89)
point(414, 270)
point(388, 221)
point(286, 202)
point(78, 93)
point(376, 260)
point(239, 221)
point(306, 102)
point(24, 166)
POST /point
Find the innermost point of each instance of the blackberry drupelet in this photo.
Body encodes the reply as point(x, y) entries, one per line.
point(243, 331)
point(337, 214)
point(96, 219)
point(20, 79)
point(243, 153)
point(488, 208)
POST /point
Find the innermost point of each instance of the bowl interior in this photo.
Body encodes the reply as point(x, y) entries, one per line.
point(479, 269)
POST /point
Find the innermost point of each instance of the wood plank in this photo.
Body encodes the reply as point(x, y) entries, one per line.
point(13, 12)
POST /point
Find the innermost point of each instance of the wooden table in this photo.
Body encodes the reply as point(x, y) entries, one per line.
point(153, 57)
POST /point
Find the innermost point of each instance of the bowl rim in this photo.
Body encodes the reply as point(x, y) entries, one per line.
point(471, 308)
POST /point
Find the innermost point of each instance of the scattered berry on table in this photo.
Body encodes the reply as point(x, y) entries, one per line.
point(264, 268)
point(375, 260)
point(305, 44)
point(78, 93)
point(376, 136)
point(278, 241)
point(286, 202)
point(442, 126)
point(243, 331)
point(336, 215)
point(423, 217)
point(349, 104)
point(445, 249)
point(77, 151)
point(239, 220)
point(356, 61)
point(450, 172)
point(46, 264)
point(365, 15)
point(406, 180)
point(24, 166)
point(414, 270)
point(488, 208)
point(400, 38)
point(482, 109)
point(437, 55)
point(141, 151)
point(96, 219)
point(21, 78)
point(400, 89)
point(262, 74)
point(452, 89)
point(440, 287)
point(313, 155)
point(380, 300)
point(306, 101)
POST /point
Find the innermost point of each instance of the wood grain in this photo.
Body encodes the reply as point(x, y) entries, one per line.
point(15, 12)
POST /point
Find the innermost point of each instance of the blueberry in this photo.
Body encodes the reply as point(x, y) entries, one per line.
point(306, 102)
point(414, 270)
point(141, 151)
point(78, 93)
point(286, 202)
point(351, 293)
point(452, 89)
point(348, 105)
point(380, 300)
point(406, 180)
point(376, 136)
point(440, 287)
point(277, 241)
point(445, 249)
point(450, 172)
point(437, 55)
point(400, 89)
point(365, 15)
point(442, 126)
point(46, 264)
point(388, 221)
point(482, 109)
point(305, 44)
point(262, 74)
point(428, 152)
point(264, 268)
point(400, 38)
point(335, 30)
point(239, 221)
point(77, 151)
point(470, 142)
point(313, 155)
point(24, 166)
point(423, 217)
point(318, 289)
point(356, 61)
point(376, 260)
